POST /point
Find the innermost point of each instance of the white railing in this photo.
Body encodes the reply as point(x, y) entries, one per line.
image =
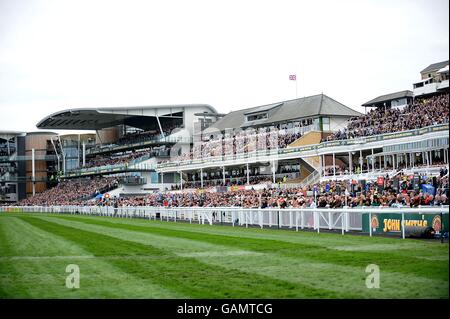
point(343, 219)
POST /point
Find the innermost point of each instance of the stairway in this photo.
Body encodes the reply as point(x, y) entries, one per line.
point(311, 137)
point(309, 165)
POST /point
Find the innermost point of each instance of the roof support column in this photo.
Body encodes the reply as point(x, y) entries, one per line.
point(56, 152)
point(350, 164)
point(373, 162)
point(248, 175)
point(63, 155)
point(360, 162)
point(273, 171)
point(201, 177)
point(181, 180)
point(431, 158)
point(324, 165)
point(162, 180)
point(334, 165)
point(78, 157)
point(33, 171)
point(320, 166)
point(223, 175)
point(84, 154)
point(159, 124)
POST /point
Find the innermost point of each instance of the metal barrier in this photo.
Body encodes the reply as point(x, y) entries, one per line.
point(343, 219)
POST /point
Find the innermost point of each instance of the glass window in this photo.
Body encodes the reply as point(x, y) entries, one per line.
point(326, 123)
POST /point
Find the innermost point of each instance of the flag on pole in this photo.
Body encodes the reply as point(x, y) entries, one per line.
point(293, 77)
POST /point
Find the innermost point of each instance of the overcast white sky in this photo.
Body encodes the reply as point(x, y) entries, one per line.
point(229, 54)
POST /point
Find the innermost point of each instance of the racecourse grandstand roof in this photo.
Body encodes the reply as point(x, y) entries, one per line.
point(389, 97)
point(11, 132)
point(435, 66)
point(285, 111)
point(99, 118)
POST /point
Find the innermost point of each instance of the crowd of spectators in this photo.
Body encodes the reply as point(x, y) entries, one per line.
point(241, 142)
point(122, 158)
point(422, 113)
point(140, 137)
point(400, 191)
point(71, 192)
point(105, 160)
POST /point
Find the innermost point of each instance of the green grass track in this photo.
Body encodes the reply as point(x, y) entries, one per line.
point(132, 258)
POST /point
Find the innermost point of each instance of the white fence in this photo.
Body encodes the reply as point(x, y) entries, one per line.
point(341, 219)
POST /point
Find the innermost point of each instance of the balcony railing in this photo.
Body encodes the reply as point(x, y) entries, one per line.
point(150, 142)
point(312, 147)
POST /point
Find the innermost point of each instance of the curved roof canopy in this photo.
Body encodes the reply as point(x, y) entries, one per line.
point(99, 118)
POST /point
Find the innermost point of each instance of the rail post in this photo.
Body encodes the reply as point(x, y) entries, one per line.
point(403, 225)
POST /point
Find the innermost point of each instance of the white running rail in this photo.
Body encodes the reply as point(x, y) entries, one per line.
point(343, 219)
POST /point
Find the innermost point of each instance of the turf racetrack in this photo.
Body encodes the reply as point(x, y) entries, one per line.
point(131, 258)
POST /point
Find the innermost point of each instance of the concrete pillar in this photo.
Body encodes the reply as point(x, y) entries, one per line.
point(84, 154)
point(350, 162)
point(273, 171)
point(373, 162)
point(181, 180)
point(248, 175)
point(64, 162)
point(321, 165)
point(33, 171)
point(324, 164)
point(78, 154)
point(223, 175)
point(334, 165)
point(201, 177)
point(360, 161)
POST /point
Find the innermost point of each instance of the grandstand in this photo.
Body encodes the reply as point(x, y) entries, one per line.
point(307, 152)
point(103, 200)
